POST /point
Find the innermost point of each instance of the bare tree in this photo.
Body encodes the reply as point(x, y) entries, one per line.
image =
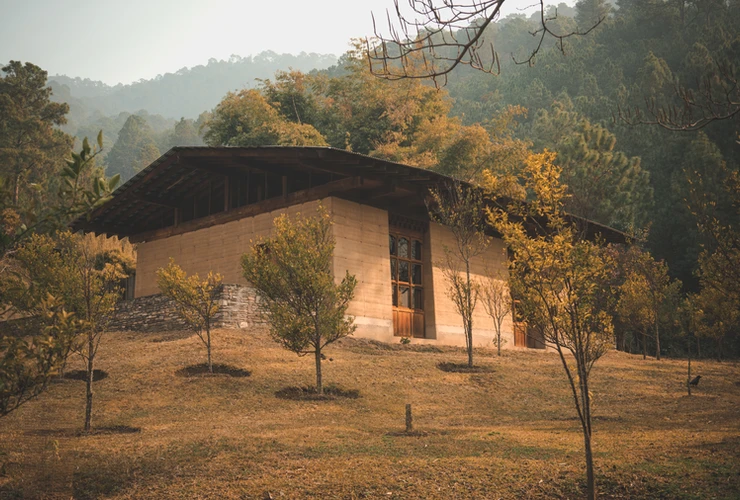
point(443, 34)
point(461, 210)
point(496, 301)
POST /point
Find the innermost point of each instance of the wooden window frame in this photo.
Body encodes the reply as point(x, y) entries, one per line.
point(407, 321)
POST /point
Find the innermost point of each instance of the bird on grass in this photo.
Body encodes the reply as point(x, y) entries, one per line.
point(695, 381)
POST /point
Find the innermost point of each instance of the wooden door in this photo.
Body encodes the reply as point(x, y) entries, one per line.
point(406, 283)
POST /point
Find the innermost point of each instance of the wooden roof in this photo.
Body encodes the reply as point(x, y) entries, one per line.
point(159, 190)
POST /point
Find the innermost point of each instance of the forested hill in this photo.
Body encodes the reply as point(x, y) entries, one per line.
point(185, 93)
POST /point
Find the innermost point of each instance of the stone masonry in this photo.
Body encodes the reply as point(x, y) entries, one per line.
point(238, 308)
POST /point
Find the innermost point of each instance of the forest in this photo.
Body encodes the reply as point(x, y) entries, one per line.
point(592, 100)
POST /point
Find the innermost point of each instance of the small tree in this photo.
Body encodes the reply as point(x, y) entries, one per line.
point(497, 302)
point(292, 273)
point(461, 210)
point(69, 268)
point(644, 294)
point(563, 281)
point(27, 365)
point(194, 299)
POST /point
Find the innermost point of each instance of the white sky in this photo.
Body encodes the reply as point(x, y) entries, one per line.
point(126, 40)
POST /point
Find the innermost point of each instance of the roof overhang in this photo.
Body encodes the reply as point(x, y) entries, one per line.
point(160, 190)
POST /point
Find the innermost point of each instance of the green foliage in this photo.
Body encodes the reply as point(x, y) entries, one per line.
point(30, 147)
point(292, 272)
point(604, 184)
point(27, 364)
point(64, 271)
point(647, 296)
point(133, 150)
point(195, 300)
point(247, 119)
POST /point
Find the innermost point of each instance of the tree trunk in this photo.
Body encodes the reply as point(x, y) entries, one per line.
point(89, 383)
point(469, 319)
point(208, 348)
point(469, 334)
point(590, 479)
point(498, 334)
point(657, 339)
point(644, 345)
point(586, 403)
point(319, 387)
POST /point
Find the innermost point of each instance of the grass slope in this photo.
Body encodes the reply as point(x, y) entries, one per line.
point(507, 433)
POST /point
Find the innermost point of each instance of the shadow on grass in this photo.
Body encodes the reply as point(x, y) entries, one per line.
point(219, 369)
point(97, 431)
point(82, 375)
point(464, 368)
point(309, 393)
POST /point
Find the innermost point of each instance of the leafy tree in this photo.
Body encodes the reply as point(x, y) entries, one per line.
point(496, 298)
point(134, 149)
point(185, 133)
point(80, 190)
point(646, 290)
point(460, 210)
point(562, 283)
point(195, 300)
point(292, 273)
point(247, 119)
point(604, 184)
point(30, 147)
point(69, 268)
point(27, 365)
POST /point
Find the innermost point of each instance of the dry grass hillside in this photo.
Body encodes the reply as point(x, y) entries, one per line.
point(508, 433)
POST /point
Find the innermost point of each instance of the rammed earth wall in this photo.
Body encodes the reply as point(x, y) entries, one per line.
point(238, 308)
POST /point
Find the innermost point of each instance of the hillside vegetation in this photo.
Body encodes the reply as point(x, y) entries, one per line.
point(509, 433)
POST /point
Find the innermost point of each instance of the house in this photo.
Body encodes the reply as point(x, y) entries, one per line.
point(205, 206)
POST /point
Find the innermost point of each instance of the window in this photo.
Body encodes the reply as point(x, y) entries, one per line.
point(407, 285)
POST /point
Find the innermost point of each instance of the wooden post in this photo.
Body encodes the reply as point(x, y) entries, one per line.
point(409, 421)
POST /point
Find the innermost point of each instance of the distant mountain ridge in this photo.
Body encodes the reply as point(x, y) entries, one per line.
point(185, 93)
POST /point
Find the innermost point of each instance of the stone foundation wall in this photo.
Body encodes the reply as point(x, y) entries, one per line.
point(238, 308)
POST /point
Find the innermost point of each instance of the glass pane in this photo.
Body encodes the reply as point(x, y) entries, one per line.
point(403, 248)
point(416, 250)
point(392, 244)
point(405, 296)
point(417, 274)
point(395, 295)
point(418, 298)
point(393, 270)
point(403, 271)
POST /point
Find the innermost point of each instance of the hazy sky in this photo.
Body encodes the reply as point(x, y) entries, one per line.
point(126, 40)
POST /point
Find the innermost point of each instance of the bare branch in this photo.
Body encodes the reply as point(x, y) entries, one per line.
point(437, 36)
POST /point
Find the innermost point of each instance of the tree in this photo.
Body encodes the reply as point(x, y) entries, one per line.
point(292, 273)
point(30, 147)
point(604, 184)
point(185, 133)
point(69, 268)
point(134, 149)
point(27, 365)
point(645, 291)
point(460, 210)
point(562, 283)
point(496, 298)
point(247, 119)
point(195, 300)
